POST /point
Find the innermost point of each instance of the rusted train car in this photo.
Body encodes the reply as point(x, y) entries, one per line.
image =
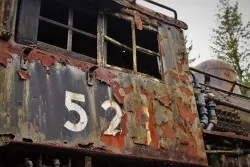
point(107, 83)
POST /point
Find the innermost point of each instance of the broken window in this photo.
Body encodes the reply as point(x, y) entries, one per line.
point(70, 27)
point(147, 52)
point(119, 42)
point(140, 55)
point(60, 23)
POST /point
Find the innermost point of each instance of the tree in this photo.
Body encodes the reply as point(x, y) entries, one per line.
point(231, 39)
point(189, 47)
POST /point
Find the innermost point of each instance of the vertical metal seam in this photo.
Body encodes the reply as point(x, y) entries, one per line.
point(134, 45)
point(134, 55)
point(159, 58)
point(70, 32)
point(101, 44)
point(104, 41)
point(38, 20)
point(99, 38)
point(14, 21)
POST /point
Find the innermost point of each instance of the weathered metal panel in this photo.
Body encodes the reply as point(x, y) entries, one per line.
point(60, 100)
point(7, 13)
point(28, 19)
point(125, 114)
point(176, 74)
point(130, 7)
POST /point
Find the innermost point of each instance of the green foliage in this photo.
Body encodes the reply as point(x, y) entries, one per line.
point(189, 47)
point(231, 39)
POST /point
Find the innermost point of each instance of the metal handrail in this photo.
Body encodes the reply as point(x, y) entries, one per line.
point(225, 91)
point(214, 76)
point(164, 7)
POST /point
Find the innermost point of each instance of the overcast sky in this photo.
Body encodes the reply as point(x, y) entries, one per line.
point(200, 17)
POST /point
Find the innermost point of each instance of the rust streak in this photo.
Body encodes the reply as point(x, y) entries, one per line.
point(183, 78)
point(23, 74)
point(105, 75)
point(186, 91)
point(174, 76)
point(165, 101)
point(153, 133)
point(179, 66)
point(48, 59)
point(119, 139)
point(6, 49)
point(151, 95)
point(186, 111)
point(162, 53)
point(138, 22)
point(167, 130)
point(143, 91)
point(4, 60)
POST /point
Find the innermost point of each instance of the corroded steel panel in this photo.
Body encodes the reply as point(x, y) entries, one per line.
point(61, 100)
point(176, 74)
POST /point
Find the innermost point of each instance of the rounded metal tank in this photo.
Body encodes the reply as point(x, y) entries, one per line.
point(220, 69)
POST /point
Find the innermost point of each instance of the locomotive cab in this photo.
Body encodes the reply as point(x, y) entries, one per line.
point(98, 83)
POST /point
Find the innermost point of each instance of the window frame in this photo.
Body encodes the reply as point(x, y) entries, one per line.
point(35, 16)
point(134, 48)
point(101, 36)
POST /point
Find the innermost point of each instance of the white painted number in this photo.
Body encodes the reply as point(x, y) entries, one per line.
point(71, 106)
point(116, 120)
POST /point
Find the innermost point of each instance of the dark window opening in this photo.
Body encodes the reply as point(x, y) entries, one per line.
point(79, 28)
point(54, 11)
point(52, 34)
point(84, 45)
point(120, 30)
point(85, 22)
point(148, 64)
point(147, 39)
point(59, 23)
point(147, 52)
point(120, 57)
point(63, 24)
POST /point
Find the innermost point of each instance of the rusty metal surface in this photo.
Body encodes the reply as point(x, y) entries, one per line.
point(157, 121)
point(54, 100)
point(223, 78)
point(229, 161)
point(232, 161)
point(148, 15)
point(7, 13)
point(227, 135)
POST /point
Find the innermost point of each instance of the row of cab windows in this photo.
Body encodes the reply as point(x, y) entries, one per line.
point(76, 31)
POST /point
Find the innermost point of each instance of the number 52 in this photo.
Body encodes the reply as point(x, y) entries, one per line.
point(82, 123)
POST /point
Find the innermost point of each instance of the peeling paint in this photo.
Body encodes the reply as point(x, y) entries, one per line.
point(157, 116)
point(23, 74)
point(138, 22)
